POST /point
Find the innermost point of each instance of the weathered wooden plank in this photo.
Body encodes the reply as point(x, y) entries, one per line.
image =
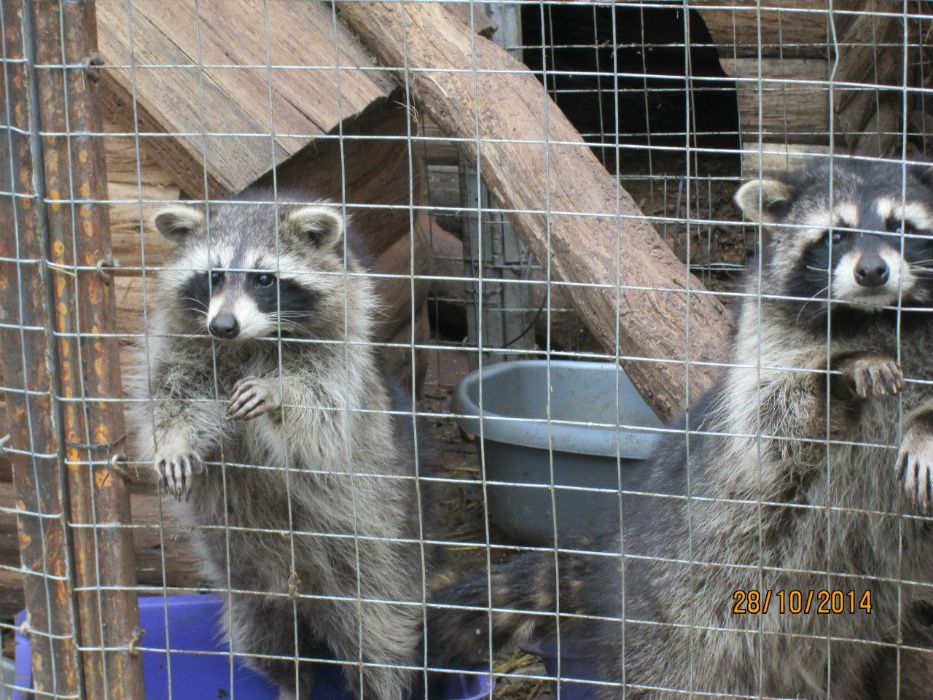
point(222, 44)
point(768, 157)
point(866, 118)
point(304, 34)
point(775, 28)
point(794, 98)
point(651, 308)
point(437, 152)
point(305, 100)
point(472, 15)
point(209, 90)
point(122, 159)
point(136, 196)
point(183, 101)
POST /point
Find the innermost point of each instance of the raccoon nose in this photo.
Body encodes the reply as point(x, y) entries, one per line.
point(224, 326)
point(871, 271)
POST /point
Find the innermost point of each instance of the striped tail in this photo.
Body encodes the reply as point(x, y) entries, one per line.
point(510, 607)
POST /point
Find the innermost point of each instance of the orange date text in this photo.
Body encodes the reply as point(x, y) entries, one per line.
point(801, 602)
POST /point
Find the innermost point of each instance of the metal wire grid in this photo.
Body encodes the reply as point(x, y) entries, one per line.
point(689, 215)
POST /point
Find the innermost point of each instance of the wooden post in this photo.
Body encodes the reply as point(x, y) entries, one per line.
point(25, 353)
point(566, 206)
point(68, 246)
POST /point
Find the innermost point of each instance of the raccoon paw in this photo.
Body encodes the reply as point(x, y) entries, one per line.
point(915, 465)
point(873, 375)
point(176, 474)
point(252, 397)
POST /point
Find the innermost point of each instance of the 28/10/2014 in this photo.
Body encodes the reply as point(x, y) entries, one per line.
point(795, 602)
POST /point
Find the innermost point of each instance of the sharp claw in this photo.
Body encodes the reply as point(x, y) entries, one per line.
point(923, 490)
point(238, 407)
point(249, 409)
point(186, 475)
point(897, 379)
point(910, 477)
point(179, 479)
point(885, 380)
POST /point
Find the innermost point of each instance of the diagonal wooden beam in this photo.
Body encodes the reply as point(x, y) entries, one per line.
point(567, 209)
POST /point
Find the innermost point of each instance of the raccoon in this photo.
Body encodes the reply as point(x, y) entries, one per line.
point(265, 413)
point(806, 469)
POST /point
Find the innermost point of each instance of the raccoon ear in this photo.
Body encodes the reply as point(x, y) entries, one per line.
point(177, 223)
point(763, 200)
point(321, 226)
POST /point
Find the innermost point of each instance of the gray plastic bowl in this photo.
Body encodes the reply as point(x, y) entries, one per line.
point(515, 443)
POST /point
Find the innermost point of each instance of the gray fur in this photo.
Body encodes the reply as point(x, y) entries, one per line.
point(226, 418)
point(771, 504)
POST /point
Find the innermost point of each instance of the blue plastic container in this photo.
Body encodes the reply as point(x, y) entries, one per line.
point(193, 623)
point(578, 678)
point(521, 447)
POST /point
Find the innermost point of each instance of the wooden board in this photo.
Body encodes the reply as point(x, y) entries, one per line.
point(136, 195)
point(871, 53)
point(472, 15)
point(195, 74)
point(783, 28)
point(767, 157)
point(791, 109)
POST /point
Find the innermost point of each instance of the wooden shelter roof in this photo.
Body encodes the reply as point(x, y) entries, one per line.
point(204, 87)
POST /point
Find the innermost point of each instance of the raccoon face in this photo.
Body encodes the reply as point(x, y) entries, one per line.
point(240, 282)
point(867, 249)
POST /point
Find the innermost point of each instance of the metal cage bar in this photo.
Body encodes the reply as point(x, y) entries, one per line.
point(781, 80)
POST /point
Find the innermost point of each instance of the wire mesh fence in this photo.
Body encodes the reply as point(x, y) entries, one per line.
point(452, 364)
